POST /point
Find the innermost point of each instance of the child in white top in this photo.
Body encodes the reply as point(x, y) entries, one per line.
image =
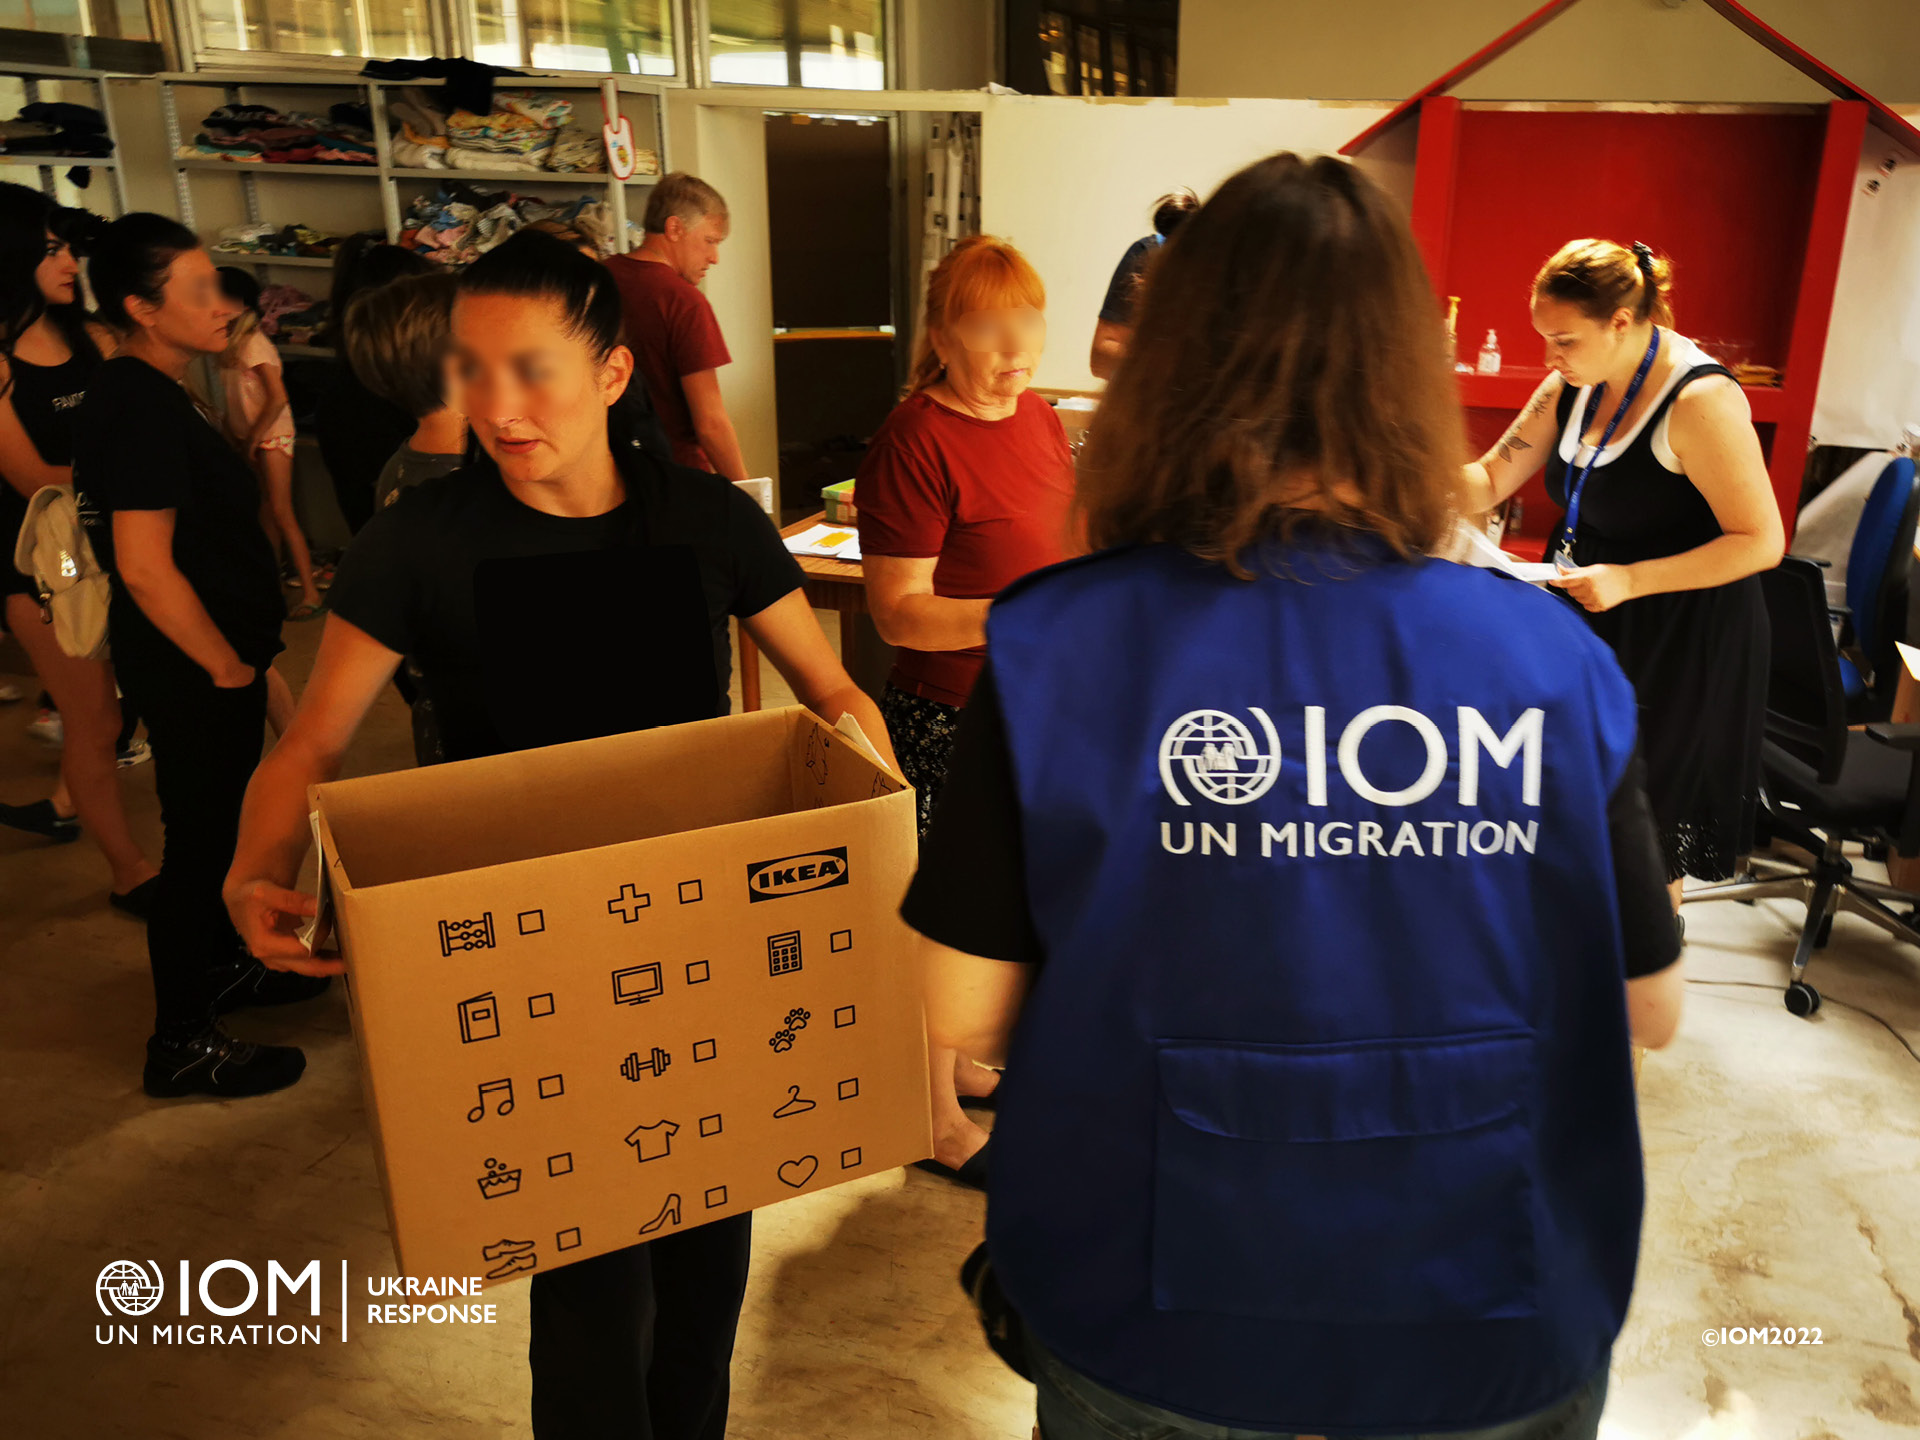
point(260, 423)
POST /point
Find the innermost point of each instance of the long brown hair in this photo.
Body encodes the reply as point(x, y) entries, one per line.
point(981, 272)
point(1288, 368)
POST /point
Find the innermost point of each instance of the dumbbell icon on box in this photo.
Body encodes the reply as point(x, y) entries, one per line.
point(633, 1067)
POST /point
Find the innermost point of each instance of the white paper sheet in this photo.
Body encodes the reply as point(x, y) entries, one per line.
point(828, 542)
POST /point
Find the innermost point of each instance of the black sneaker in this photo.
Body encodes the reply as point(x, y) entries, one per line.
point(214, 1063)
point(247, 983)
point(40, 818)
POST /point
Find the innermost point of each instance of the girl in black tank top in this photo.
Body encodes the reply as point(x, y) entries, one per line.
point(48, 358)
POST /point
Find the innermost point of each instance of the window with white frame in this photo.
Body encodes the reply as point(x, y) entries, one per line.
point(820, 44)
point(314, 27)
point(621, 37)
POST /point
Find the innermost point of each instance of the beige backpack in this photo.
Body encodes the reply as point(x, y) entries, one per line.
point(73, 590)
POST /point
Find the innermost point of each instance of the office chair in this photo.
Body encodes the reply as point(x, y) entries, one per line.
point(1824, 785)
point(1878, 565)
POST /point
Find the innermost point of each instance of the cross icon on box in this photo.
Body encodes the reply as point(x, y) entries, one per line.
point(628, 904)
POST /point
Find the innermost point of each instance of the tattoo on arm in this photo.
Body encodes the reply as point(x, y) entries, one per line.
point(1510, 444)
point(1539, 406)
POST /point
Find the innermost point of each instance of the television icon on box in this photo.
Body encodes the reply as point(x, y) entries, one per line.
point(637, 984)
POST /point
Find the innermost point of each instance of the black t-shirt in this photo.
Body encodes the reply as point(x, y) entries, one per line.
point(971, 891)
point(142, 444)
point(358, 432)
point(533, 629)
point(1124, 288)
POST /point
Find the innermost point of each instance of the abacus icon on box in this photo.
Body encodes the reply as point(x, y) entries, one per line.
point(466, 934)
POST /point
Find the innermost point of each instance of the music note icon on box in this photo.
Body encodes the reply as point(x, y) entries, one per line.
point(503, 1088)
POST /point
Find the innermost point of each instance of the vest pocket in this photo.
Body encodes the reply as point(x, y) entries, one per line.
point(1387, 1182)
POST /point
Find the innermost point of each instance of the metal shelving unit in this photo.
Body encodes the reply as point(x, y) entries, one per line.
point(641, 101)
point(32, 77)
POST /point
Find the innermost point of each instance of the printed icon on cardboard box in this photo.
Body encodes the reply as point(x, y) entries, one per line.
point(783, 1038)
point(532, 922)
point(633, 1067)
point(498, 1180)
point(817, 746)
point(509, 1257)
point(466, 934)
point(798, 1172)
point(637, 984)
point(568, 1239)
point(783, 953)
point(479, 1018)
point(504, 1106)
point(653, 1142)
point(796, 1104)
point(797, 874)
point(629, 903)
point(669, 1215)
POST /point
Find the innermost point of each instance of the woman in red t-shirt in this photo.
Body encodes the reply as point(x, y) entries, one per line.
point(965, 488)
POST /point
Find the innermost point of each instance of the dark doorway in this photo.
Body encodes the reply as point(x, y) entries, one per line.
point(830, 201)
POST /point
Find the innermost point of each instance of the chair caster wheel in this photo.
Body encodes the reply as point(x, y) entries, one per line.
point(1876, 850)
point(1802, 999)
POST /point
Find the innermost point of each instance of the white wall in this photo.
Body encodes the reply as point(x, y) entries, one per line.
point(1072, 183)
point(946, 44)
point(727, 147)
point(1598, 50)
point(1870, 378)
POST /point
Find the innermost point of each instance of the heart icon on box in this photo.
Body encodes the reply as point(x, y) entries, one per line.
point(798, 1172)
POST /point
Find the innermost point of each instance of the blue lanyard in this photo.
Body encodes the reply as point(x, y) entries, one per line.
point(1563, 556)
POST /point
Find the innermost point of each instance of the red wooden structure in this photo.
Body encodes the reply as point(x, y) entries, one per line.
point(1750, 202)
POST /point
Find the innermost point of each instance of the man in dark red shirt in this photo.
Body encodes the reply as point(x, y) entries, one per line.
point(676, 342)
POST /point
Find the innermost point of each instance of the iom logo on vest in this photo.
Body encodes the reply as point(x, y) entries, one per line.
point(1217, 758)
point(797, 874)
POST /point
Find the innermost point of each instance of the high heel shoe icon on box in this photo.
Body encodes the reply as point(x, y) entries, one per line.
point(669, 1215)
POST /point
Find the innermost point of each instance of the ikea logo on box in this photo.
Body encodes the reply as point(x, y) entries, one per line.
point(797, 874)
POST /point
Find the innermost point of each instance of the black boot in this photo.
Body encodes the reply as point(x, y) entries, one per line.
point(212, 1062)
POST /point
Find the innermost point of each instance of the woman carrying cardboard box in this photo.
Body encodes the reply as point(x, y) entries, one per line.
point(568, 585)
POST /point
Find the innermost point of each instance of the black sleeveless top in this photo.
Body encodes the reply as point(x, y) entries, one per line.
point(1697, 658)
point(1633, 507)
point(47, 400)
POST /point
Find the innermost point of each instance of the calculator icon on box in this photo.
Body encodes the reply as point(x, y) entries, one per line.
point(783, 953)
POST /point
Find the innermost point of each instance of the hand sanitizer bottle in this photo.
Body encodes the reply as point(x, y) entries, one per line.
point(1490, 355)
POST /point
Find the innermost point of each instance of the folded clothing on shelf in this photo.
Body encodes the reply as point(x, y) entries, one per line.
point(458, 223)
point(257, 134)
point(56, 128)
point(289, 314)
point(267, 239)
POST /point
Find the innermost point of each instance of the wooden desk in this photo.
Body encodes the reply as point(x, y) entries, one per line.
point(836, 585)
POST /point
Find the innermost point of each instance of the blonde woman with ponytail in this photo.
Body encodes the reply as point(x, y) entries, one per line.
point(1649, 448)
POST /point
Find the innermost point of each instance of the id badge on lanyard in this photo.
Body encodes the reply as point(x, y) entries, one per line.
point(1563, 553)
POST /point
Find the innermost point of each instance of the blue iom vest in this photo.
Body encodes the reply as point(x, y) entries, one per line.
point(1320, 1114)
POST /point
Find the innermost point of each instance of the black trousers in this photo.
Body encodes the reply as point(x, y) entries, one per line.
point(637, 1344)
point(206, 742)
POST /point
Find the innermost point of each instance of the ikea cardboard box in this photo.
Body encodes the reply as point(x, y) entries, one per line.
point(616, 989)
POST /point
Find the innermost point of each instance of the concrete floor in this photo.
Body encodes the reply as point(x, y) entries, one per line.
point(1783, 1162)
